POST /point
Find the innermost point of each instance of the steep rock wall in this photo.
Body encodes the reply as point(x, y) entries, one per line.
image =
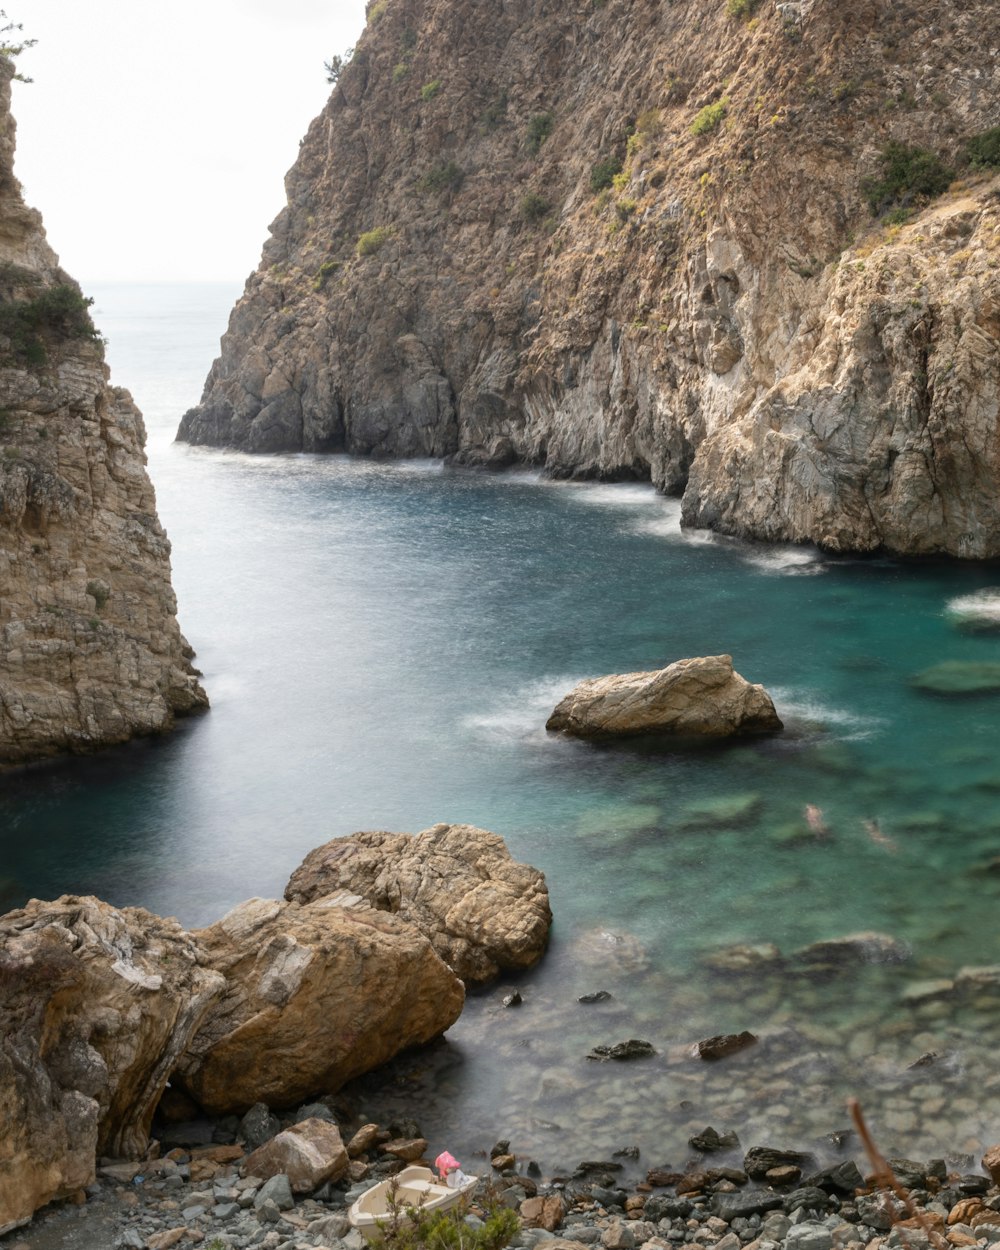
point(728, 319)
point(90, 649)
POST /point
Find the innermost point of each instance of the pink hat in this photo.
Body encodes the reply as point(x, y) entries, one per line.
point(445, 1162)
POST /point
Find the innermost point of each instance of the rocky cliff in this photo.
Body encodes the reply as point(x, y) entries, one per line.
point(90, 650)
point(638, 238)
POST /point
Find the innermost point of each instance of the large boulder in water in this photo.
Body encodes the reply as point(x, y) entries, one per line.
point(316, 994)
point(698, 697)
point(481, 910)
point(96, 1005)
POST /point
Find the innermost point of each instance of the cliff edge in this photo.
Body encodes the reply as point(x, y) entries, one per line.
point(708, 243)
point(90, 649)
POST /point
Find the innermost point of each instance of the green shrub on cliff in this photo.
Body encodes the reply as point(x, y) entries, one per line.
point(430, 89)
point(59, 313)
point(602, 173)
point(533, 207)
point(539, 129)
point(743, 9)
point(442, 178)
point(710, 117)
point(908, 174)
point(983, 150)
point(373, 241)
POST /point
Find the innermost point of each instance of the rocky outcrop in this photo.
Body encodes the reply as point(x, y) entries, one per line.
point(702, 696)
point(96, 1004)
point(308, 1154)
point(316, 993)
point(90, 649)
point(481, 911)
point(457, 273)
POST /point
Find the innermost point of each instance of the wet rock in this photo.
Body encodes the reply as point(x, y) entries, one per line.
point(702, 696)
point(745, 1203)
point(759, 1160)
point(408, 1149)
point(543, 1212)
point(724, 1044)
point(851, 951)
point(843, 1178)
point(728, 811)
point(513, 1000)
point(807, 1198)
point(909, 1173)
point(784, 1176)
point(991, 1163)
point(741, 959)
point(632, 1049)
point(601, 996)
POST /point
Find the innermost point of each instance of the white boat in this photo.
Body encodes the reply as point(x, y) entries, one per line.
point(414, 1187)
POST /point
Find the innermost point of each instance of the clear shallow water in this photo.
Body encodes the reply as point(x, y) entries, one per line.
point(382, 645)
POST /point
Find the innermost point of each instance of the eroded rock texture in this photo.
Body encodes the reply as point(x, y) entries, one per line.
point(729, 320)
point(316, 993)
point(90, 649)
point(96, 1006)
point(481, 910)
point(701, 696)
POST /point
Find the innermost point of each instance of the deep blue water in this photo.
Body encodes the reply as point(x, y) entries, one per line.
point(382, 645)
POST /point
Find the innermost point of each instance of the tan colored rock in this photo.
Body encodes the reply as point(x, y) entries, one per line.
point(96, 1005)
point(309, 1154)
point(963, 1211)
point(481, 911)
point(409, 1149)
point(364, 1139)
point(543, 1212)
point(991, 1163)
point(90, 649)
point(169, 1237)
point(702, 696)
point(315, 994)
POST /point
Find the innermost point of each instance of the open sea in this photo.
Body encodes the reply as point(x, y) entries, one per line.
point(382, 644)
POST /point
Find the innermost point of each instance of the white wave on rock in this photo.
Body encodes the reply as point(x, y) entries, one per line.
point(980, 610)
point(784, 561)
point(805, 715)
point(522, 714)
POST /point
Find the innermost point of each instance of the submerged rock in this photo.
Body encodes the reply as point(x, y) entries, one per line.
point(850, 951)
point(481, 910)
point(699, 697)
point(959, 677)
point(632, 1049)
point(724, 1044)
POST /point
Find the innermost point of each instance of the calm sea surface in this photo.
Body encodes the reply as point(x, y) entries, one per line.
point(382, 645)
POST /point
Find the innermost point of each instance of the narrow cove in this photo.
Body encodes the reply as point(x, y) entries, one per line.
point(382, 644)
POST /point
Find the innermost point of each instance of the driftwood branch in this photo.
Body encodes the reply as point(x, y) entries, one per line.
point(885, 1177)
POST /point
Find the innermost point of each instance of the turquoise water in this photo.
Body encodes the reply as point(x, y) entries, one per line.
point(382, 645)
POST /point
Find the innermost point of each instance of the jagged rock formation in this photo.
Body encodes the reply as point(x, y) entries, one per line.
point(100, 1007)
point(458, 885)
point(90, 650)
point(727, 319)
point(97, 1004)
point(703, 696)
point(315, 995)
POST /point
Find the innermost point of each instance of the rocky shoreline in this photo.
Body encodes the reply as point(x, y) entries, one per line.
point(219, 1184)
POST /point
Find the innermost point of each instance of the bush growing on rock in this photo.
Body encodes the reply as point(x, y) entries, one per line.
point(430, 89)
point(710, 117)
point(442, 178)
point(602, 174)
point(533, 207)
point(539, 129)
point(983, 150)
point(373, 241)
point(908, 174)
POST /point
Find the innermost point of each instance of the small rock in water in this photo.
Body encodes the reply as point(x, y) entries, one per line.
point(632, 1049)
point(601, 996)
point(724, 1044)
point(708, 1141)
point(513, 999)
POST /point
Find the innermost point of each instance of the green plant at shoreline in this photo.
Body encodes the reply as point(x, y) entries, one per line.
point(710, 117)
point(409, 1229)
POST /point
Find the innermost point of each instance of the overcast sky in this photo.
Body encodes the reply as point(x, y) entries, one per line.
point(155, 136)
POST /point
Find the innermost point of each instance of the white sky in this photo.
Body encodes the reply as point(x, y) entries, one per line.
point(155, 136)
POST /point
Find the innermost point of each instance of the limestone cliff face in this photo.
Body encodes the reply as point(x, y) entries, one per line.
point(90, 650)
point(728, 319)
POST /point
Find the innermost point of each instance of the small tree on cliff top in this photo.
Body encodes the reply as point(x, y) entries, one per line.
point(11, 46)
